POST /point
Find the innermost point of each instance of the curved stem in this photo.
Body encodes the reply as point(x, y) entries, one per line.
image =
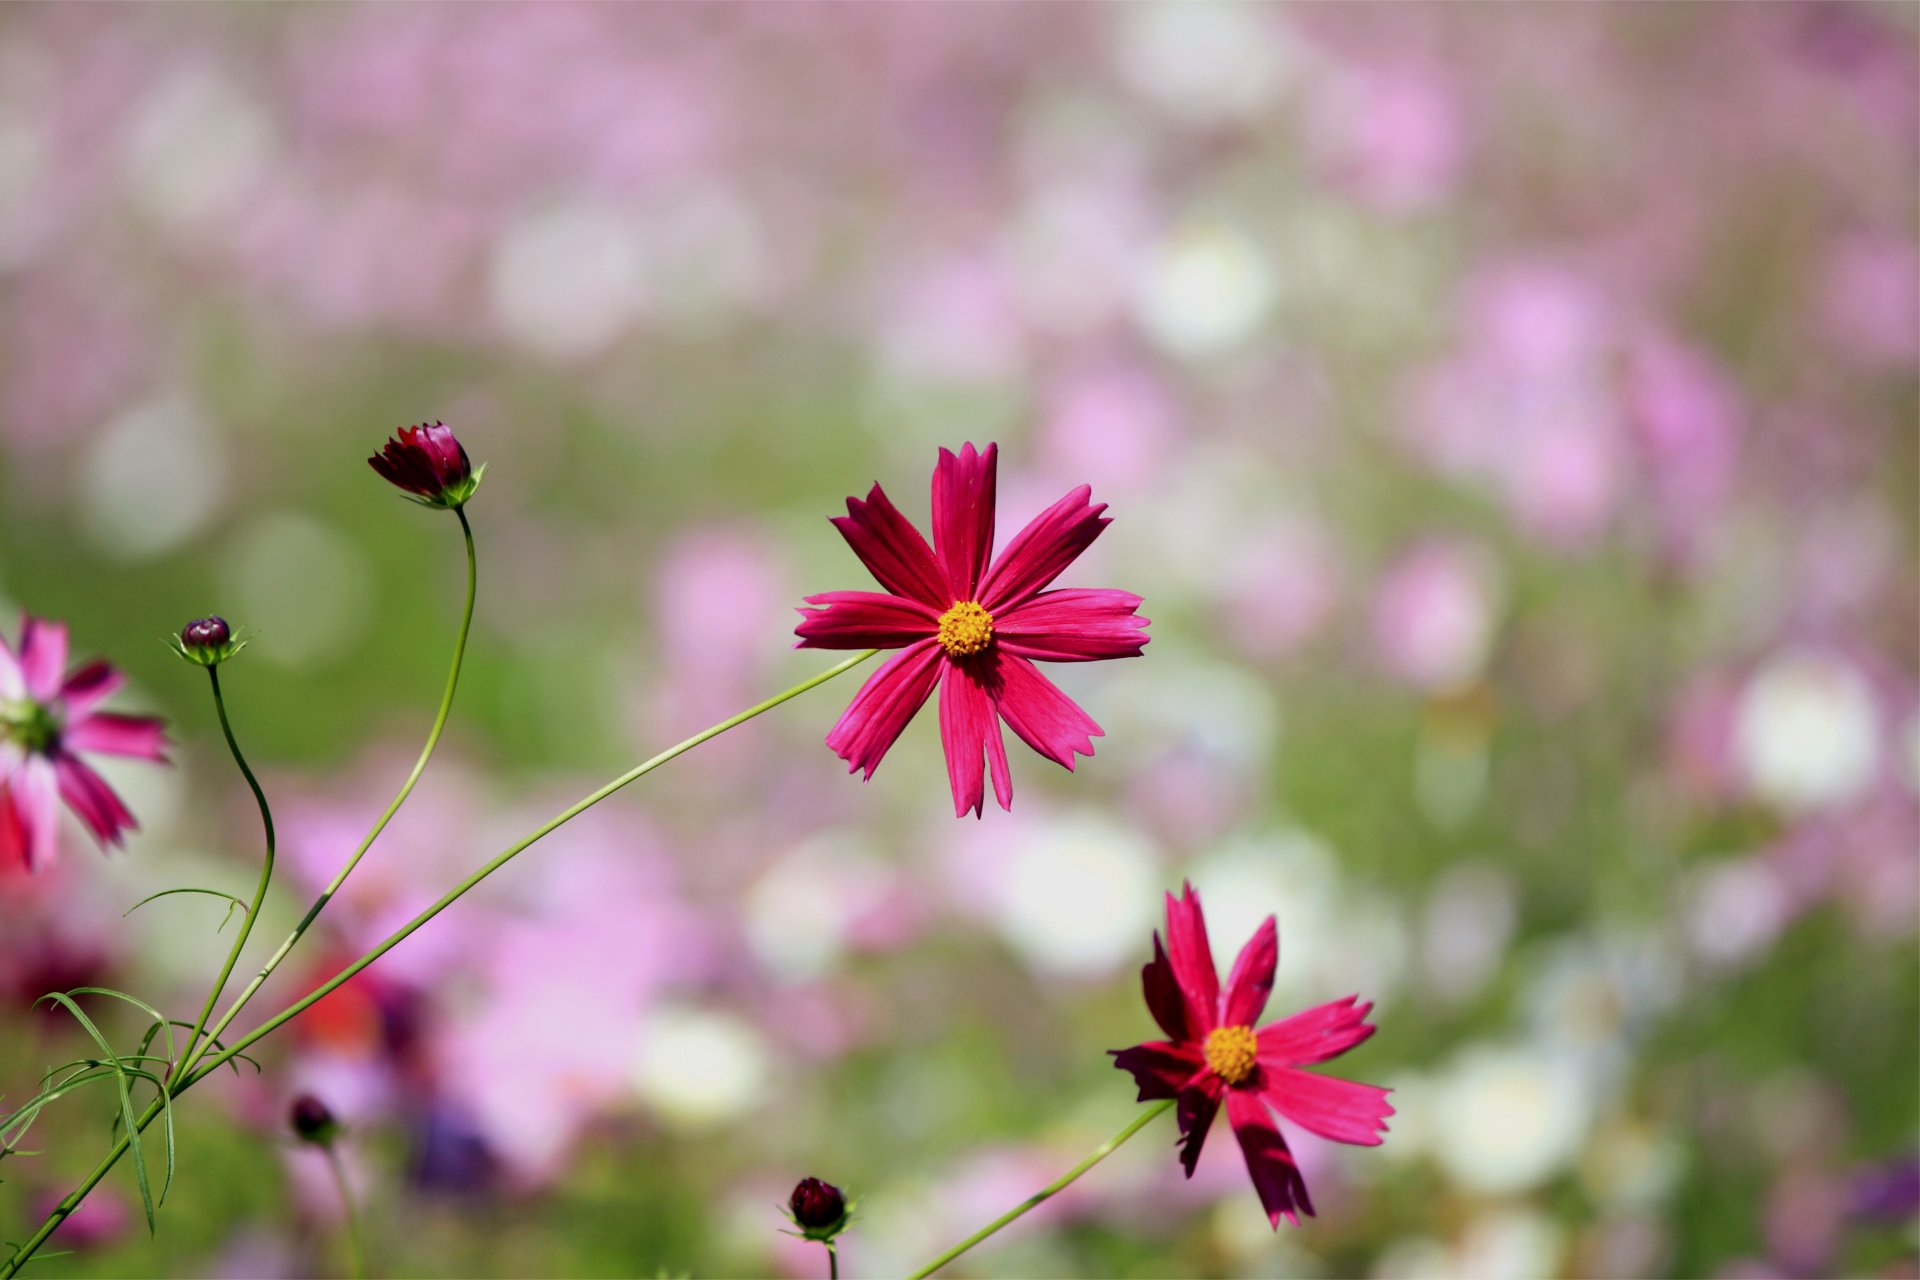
point(501, 859)
point(259, 894)
point(356, 1245)
point(406, 789)
point(1052, 1189)
point(184, 1081)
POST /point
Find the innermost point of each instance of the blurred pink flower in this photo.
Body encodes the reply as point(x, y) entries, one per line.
point(1870, 300)
point(1391, 135)
point(1434, 615)
point(980, 625)
point(1213, 1055)
point(46, 719)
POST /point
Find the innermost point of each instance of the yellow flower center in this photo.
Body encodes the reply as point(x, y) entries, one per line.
point(1231, 1052)
point(965, 629)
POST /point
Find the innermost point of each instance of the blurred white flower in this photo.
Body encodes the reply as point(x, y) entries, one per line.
point(699, 1067)
point(1735, 911)
point(1507, 1118)
point(566, 279)
point(1080, 895)
point(1469, 920)
point(1508, 1244)
point(800, 910)
point(1807, 731)
point(152, 479)
point(1203, 62)
point(197, 146)
point(1209, 288)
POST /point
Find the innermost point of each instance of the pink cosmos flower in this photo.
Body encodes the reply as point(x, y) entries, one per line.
point(954, 611)
point(1213, 1055)
point(45, 721)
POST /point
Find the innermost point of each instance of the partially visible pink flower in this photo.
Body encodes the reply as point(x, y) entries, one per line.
point(954, 611)
point(1213, 1056)
point(48, 715)
point(1434, 615)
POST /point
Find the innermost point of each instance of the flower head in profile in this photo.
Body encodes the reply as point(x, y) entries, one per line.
point(48, 716)
point(1213, 1055)
point(971, 625)
point(430, 465)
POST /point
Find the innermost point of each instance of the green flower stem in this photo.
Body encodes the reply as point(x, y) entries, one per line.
point(558, 820)
point(259, 894)
point(356, 1246)
point(184, 1081)
point(1047, 1192)
point(406, 789)
point(833, 1262)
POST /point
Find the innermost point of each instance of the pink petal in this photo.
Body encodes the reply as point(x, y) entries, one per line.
point(963, 498)
point(970, 731)
point(1276, 1174)
point(1199, 1104)
point(1342, 1110)
point(889, 698)
point(1159, 1068)
point(89, 796)
point(1252, 979)
point(1164, 998)
point(13, 684)
point(1323, 1032)
point(893, 550)
point(43, 656)
point(1040, 551)
point(1045, 719)
point(863, 620)
point(88, 687)
point(28, 808)
point(117, 735)
point(1193, 961)
point(1073, 626)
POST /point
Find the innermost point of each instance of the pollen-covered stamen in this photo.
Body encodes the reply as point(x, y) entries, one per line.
point(965, 629)
point(1232, 1053)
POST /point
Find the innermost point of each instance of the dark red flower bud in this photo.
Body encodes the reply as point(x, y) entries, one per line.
point(817, 1206)
point(206, 631)
point(429, 463)
point(312, 1120)
point(207, 642)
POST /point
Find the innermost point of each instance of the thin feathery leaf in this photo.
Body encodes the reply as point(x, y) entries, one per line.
point(126, 1101)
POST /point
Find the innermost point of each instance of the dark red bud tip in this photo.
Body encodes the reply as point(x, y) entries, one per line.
point(210, 632)
point(817, 1205)
point(311, 1119)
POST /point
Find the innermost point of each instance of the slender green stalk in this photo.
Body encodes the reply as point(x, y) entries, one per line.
point(1047, 1192)
point(259, 894)
point(356, 1245)
point(406, 789)
point(833, 1262)
point(500, 860)
point(184, 1081)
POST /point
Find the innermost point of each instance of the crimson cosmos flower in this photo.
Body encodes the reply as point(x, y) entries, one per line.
point(44, 721)
point(955, 612)
point(1213, 1054)
point(430, 464)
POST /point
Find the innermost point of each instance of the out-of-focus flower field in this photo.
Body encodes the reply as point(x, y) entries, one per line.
point(1508, 415)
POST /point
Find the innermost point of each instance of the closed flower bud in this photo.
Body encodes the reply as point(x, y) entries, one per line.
point(429, 464)
point(312, 1121)
point(207, 642)
point(818, 1209)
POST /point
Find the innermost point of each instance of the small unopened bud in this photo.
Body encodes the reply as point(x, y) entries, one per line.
point(312, 1121)
point(207, 642)
point(206, 631)
point(818, 1209)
